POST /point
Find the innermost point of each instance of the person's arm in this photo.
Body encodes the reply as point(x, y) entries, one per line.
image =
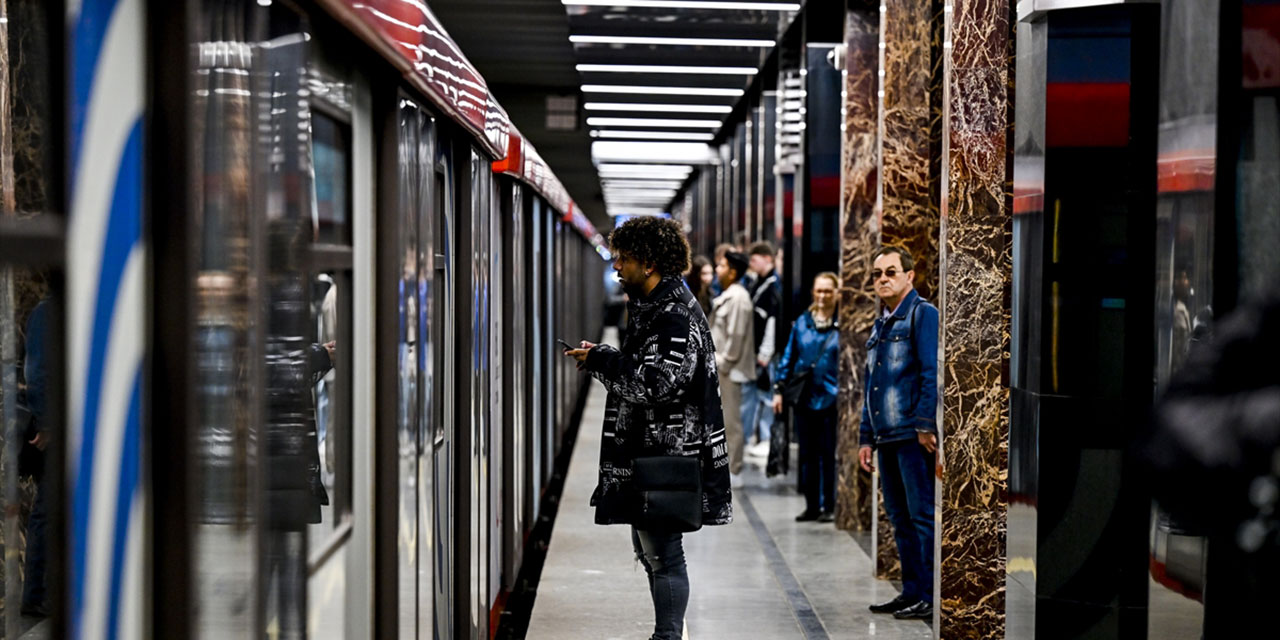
point(34, 369)
point(789, 353)
point(767, 345)
point(661, 375)
point(925, 344)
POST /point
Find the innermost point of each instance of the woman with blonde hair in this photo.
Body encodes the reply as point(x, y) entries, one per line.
point(808, 380)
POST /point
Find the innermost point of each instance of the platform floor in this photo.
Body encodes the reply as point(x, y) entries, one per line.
point(764, 576)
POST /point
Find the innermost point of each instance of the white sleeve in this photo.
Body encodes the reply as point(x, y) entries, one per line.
point(767, 345)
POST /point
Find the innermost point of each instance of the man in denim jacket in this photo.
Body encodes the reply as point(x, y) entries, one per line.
point(899, 418)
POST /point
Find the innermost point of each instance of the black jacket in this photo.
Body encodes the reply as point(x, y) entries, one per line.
point(664, 399)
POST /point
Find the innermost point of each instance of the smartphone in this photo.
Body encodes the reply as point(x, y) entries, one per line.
point(567, 346)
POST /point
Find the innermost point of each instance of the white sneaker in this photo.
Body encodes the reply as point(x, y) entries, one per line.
point(735, 481)
point(759, 450)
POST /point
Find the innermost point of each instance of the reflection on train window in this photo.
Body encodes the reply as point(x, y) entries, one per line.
point(330, 309)
point(332, 165)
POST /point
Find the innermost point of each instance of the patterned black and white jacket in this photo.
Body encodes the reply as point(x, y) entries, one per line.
point(664, 399)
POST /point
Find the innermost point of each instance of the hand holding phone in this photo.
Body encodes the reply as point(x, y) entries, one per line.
point(566, 345)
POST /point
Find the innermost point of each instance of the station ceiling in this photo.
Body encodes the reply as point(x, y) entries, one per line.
point(642, 72)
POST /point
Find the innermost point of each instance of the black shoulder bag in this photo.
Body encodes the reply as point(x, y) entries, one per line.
point(668, 493)
point(796, 388)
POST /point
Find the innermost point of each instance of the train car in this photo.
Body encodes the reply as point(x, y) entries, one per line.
point(302, 280)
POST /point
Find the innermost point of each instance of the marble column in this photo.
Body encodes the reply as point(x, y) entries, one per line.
point(910, 160)
point(858, 243)
point(975, 293)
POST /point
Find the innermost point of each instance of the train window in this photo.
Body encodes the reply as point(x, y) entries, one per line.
point(332, 165)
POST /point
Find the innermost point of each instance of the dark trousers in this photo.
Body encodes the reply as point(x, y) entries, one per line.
point(33, 587)
point(906, 481)
point(662, 555)
point(817, 434)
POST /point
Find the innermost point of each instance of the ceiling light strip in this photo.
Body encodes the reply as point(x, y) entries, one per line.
point(687, 4)
point(662, 91)
point(659, 123)
point(666, 68)
point(652, 135)
point(662, 108)
point(678, 42)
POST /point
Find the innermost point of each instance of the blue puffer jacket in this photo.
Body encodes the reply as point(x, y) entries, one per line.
point(804, 348)
point(901, 392)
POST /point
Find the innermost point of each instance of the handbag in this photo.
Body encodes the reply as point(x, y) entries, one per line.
point(795, 389)
point(668, 491)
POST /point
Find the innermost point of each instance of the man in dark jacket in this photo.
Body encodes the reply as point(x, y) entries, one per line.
point(899, 417)
point(766, 296)
point(664, 399)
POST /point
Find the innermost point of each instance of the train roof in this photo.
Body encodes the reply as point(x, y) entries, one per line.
point(407, 34)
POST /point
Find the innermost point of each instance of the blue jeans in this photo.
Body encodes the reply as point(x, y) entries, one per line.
point(906, 481)
point(662, 555)
point(757, 408)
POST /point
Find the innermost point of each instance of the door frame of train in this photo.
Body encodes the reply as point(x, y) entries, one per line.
point(364, 185)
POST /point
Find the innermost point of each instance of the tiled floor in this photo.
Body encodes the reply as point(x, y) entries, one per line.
point(592, 587)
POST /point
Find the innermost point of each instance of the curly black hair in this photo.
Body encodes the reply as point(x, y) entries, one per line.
point(654, 242)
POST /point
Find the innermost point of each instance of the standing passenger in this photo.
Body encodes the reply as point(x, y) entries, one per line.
point(813, 350)
point(699, 282)
point(899, 417)
point(663, 401)
point(733, 330)
point(766, 295)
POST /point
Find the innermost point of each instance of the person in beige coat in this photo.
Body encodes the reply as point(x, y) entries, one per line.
point(733, 332)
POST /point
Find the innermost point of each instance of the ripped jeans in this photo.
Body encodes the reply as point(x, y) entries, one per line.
point(662, 555)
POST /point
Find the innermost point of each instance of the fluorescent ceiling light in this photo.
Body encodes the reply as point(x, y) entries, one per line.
point(638, 183)
point(603, 152)
point(653, 122)
point(666, 68)
point(655, 40)
point(670, 168)
point(663, 194)
point(687, 4)
point(653, 135)
point(661, 91)
point(665, 108)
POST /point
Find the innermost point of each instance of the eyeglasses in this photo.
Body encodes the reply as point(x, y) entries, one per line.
point(891, 272)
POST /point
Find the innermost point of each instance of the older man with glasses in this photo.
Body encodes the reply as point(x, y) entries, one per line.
point(899, 418)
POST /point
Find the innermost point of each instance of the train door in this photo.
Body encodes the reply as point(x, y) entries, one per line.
point(514, 483)
point(477, 528)
point(416, 272)
point(440, 545)
point(496, 399)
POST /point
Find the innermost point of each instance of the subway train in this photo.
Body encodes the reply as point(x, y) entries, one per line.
point(301, 360)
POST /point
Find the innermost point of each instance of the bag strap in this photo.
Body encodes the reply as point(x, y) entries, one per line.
point(825, 343)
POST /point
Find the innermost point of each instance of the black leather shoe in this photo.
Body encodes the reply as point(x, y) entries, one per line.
point(807, 516)
point(826, 516)
point(917, 611)
point(897, 604)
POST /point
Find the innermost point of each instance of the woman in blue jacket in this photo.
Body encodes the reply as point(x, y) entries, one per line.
point(814, 345)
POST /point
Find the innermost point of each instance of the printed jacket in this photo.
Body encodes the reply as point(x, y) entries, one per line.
point(664, 399)
point(805, 347)
point(901, 388)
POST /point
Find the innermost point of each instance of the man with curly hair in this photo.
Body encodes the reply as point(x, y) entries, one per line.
point(664, 400)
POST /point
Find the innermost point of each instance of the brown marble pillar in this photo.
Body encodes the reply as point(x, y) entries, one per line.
point(858, 242)
point(975, 286)
point(910, 160)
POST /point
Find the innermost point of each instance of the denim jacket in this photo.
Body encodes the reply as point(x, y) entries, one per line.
point(901, 392)
point(804, 348)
